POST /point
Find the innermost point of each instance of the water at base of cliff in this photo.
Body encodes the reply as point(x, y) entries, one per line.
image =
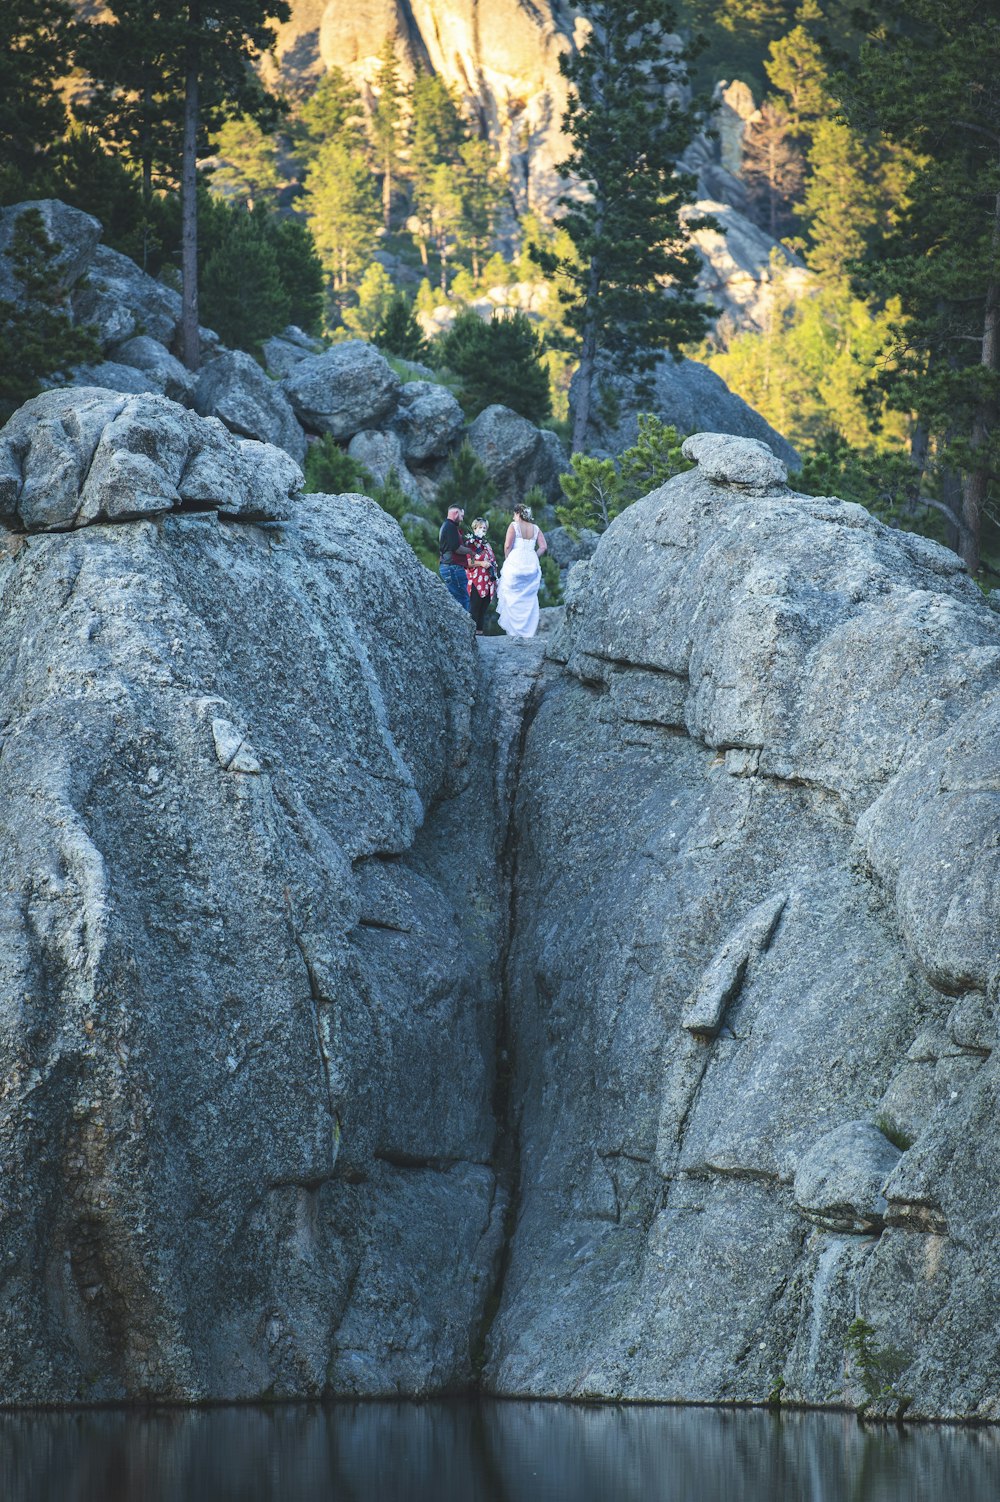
point(487, 1452)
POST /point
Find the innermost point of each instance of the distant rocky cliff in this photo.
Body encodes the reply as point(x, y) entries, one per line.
point(378, 1009)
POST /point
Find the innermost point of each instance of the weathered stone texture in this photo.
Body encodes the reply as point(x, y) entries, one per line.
point(755, 869)
point(229, 1025)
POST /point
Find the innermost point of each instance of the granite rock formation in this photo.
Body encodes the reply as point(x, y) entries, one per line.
point(753, 975)
point(229, 1028)
point(359, 981)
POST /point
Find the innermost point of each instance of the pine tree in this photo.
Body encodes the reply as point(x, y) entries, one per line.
point(243, 297)
point(798, 69)
point(773, 168)
point(134, 100)
point(332, 111)
point(841, 198)
point(499, 361)
point(375, 294)
point(628, 128)
point(436, 137)
point(387, 124)
point(399, 332)
point(247, 167)
point(928, 77)
point(342, 211)
point(37, 336)
point(466, 483)
point(480, 187)
point(35, 48)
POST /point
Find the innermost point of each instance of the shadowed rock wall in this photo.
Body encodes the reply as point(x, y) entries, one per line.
point(755, 957)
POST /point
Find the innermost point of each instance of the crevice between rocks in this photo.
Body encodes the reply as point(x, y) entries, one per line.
point(507, 1154)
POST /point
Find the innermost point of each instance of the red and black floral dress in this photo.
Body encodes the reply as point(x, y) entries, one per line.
point(481, 568)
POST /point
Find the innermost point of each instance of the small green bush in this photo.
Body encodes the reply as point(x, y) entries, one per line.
point(330, 470)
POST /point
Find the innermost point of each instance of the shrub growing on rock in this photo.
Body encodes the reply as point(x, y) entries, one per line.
point(330, 470)
point(596, 490)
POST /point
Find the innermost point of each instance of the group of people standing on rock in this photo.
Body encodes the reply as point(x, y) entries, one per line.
point(468, 567)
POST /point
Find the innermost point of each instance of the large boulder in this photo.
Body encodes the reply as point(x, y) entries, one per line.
point(75, 456)
point(753, 981)
point(165, 372)
point(516, 455)
point(688, 395)
point(428, 420)
point(74, 233)
point(114, 376)
point(282, 352)
point(119, 300)
point(382, 455)
point(240, 974)
point(233, 388)
point(345, 389)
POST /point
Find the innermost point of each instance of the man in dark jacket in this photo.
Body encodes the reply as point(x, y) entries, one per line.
point(453, 553)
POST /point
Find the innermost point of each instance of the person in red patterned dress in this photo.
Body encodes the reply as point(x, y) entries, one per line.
point(481, 567)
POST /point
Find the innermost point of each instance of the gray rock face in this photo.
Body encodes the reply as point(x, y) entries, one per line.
point(839, 1181)
point(74, 232)
point(428, 420)
point(712, 994)
point(121, 301)
point(239, 974)
point(233, 388)
point(165, 372)
point(113, 376)
point(73, 457)
point(382, 455)
point(343, 390)
point(284, 351)
point(689, 395)
point(753, 875)
point(516, 455)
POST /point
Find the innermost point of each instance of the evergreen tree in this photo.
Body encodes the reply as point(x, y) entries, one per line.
point(399, 333)
point(342, 211)
point(35, 49)
point(436, 137)
point(243, 296)
point(841, 198)
point(37, 336)
point(165, 77)
point(442, 211)
point(247, 168)
point(499, 361)
point(628, 128)
point(928, 78)
point(387, 124)
point(798, 69)
point(480, 187)
point(375, 294)
point(597, 490)
point(773, 169)
point(466, 483)
point(109, 187)
point(331, 112)
point(300, 266)
point(134, 97)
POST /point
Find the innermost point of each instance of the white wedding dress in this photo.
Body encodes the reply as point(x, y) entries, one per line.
point(517, 591)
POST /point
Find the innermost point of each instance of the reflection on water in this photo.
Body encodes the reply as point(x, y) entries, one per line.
point(487, 1452)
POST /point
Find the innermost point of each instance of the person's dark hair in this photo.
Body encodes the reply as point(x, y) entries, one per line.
point(523, 510)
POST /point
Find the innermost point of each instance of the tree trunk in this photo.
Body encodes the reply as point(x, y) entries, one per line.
point(387, 194)
point(584, 386)
point(189, 196)
point(975, 482)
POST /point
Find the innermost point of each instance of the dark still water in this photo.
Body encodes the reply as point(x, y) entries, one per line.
point(489, 1452)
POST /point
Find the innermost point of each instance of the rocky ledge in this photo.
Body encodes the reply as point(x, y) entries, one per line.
point(380, 1013)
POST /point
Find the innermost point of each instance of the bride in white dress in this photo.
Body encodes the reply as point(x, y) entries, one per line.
point(521, 575)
